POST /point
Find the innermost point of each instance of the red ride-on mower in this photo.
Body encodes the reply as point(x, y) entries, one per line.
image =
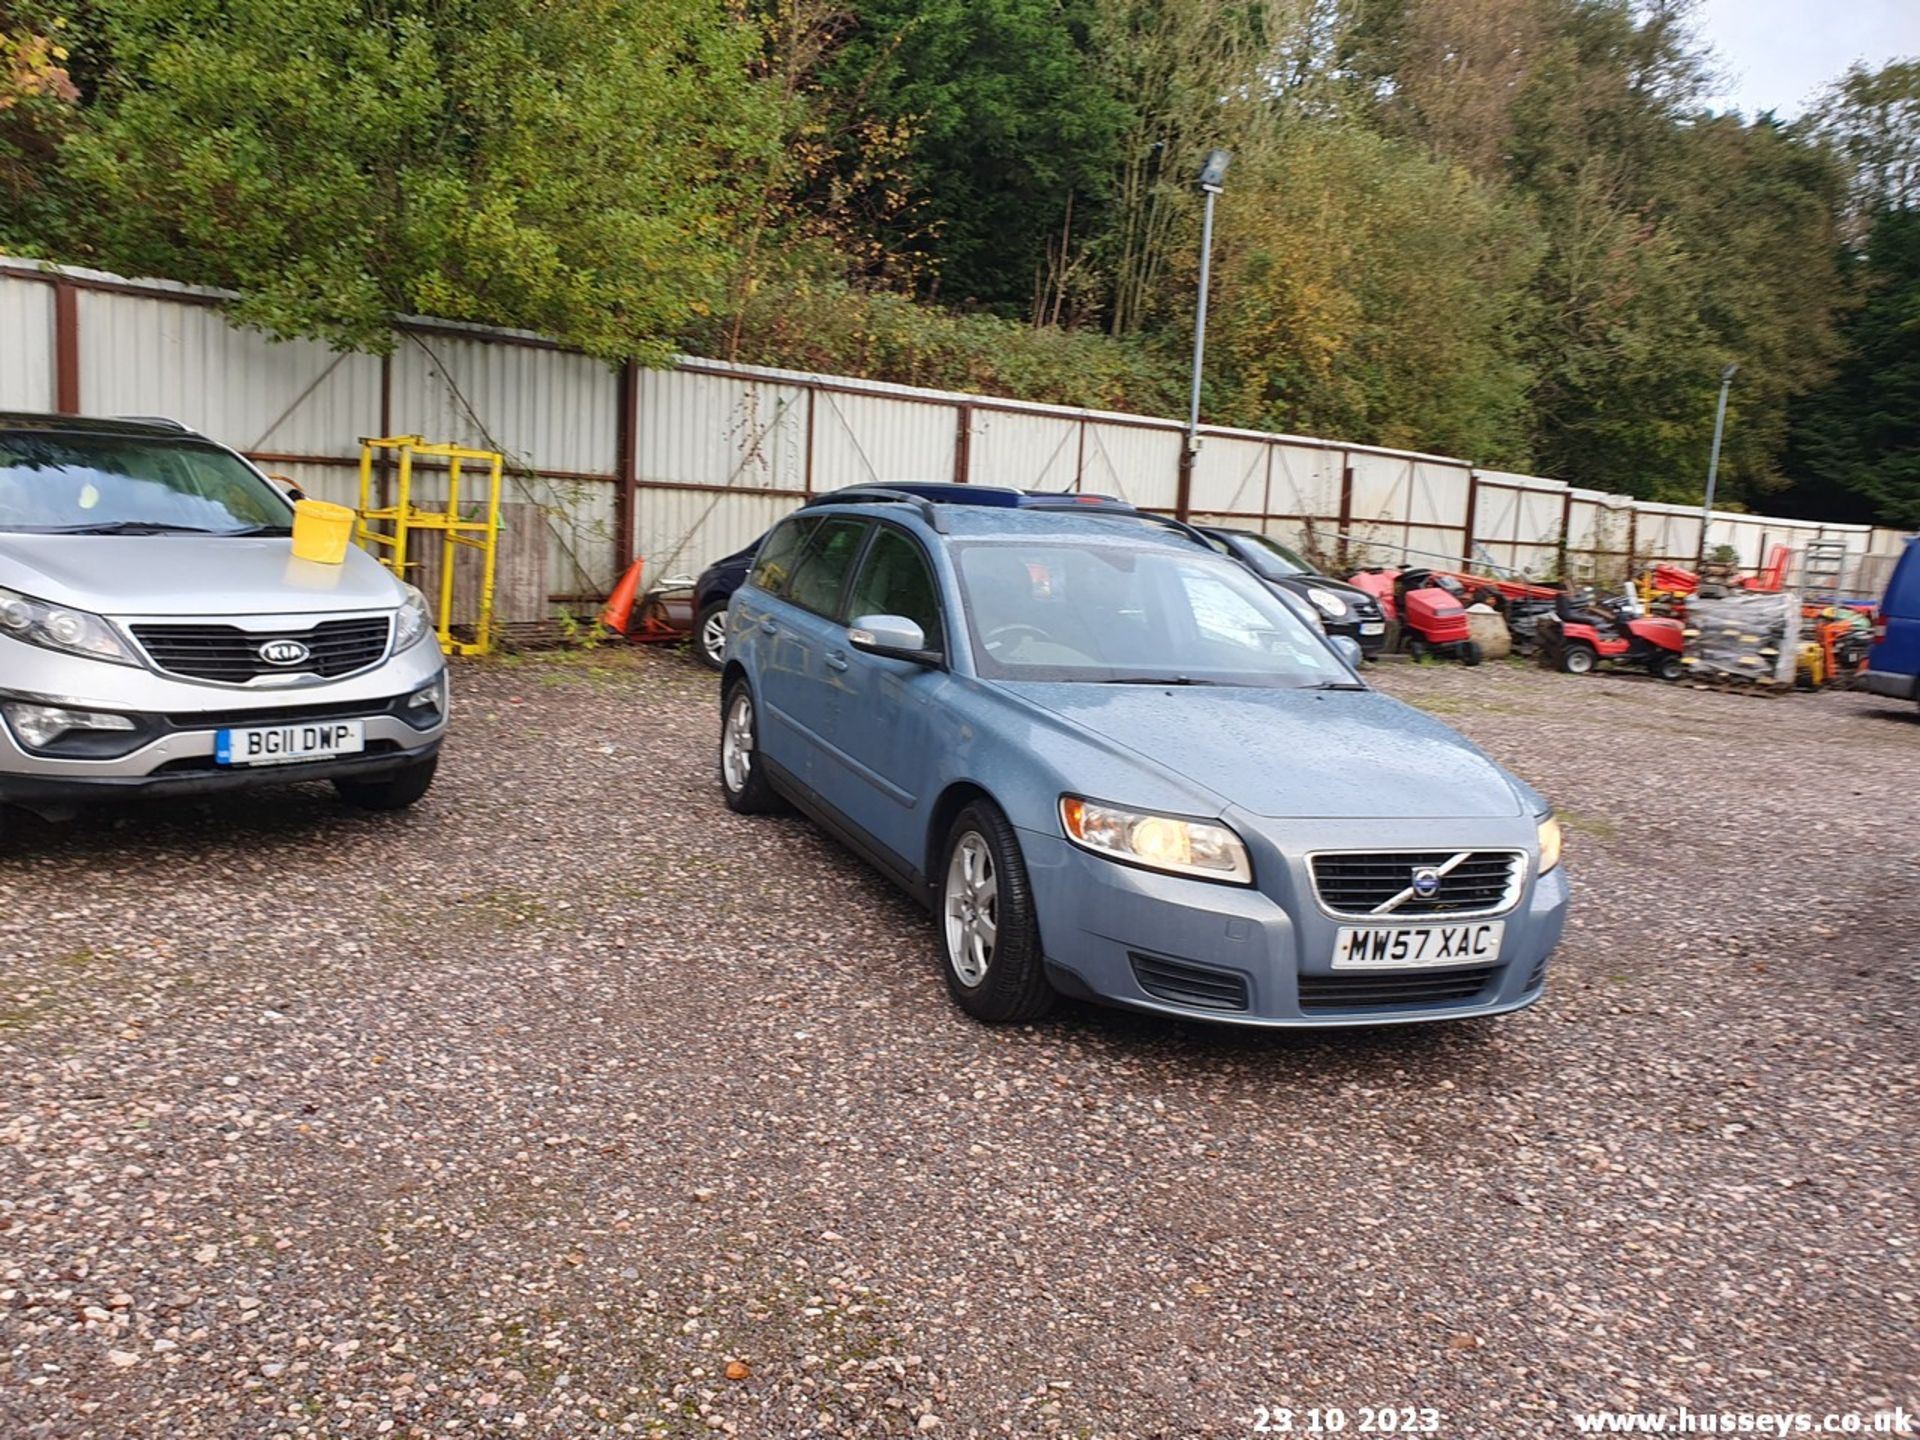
point(1433, 616)
point(1576, 640)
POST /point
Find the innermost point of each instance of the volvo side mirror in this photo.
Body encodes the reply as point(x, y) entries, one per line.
point(894, 636)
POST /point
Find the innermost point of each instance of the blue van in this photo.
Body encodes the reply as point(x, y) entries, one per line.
point(1893, 665)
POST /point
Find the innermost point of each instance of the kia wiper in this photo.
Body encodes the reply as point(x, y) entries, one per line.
point(130, 527)
point(1158, 680)
point(1336, 685)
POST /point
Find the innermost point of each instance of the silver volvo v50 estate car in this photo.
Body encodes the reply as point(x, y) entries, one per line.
point(1114, 764)
point(158, 637)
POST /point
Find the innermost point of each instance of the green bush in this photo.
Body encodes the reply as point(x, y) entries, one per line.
point(833, 328)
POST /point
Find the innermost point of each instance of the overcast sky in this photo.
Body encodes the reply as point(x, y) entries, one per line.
point(1780, 54)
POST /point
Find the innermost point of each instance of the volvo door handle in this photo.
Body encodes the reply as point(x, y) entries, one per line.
point(836, 660)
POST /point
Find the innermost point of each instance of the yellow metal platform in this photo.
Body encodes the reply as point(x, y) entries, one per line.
point(385, 531)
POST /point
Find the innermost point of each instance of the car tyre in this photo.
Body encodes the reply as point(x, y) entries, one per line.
point(984, 911)
point(743, 779)
point(395, 791)
point(1578, 658)
point(710, 635)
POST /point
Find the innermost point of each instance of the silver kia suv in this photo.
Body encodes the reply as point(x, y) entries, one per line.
point(158, 636)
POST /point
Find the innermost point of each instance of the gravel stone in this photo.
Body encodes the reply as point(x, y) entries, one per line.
point(530, 1111)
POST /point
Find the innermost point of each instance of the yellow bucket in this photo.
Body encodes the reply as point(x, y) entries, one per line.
point(321, 531)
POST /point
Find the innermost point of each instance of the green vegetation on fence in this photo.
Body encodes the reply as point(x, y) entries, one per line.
point(1504, 229)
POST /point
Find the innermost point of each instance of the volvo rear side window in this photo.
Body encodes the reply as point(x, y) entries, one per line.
point(822, 574)
point(773, 565)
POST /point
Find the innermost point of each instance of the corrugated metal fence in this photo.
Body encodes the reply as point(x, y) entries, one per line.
point(686, 464)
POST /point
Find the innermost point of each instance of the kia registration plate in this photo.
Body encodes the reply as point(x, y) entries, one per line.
point(285, 744)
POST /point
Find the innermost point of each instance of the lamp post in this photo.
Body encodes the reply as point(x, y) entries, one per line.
point(1713, 463)
point(1209, 182)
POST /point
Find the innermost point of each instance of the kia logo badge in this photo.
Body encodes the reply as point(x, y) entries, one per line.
point(284, 652)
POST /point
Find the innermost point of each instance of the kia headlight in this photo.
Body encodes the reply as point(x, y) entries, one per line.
point(1549, 843)
point(1157, 842)
point(55, 627)
point(414, 622)
point(427, 706)
point(38, 726)
point(1328, 603)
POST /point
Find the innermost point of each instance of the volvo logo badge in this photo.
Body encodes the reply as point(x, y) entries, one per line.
point(1426, 881)
point(284, 652)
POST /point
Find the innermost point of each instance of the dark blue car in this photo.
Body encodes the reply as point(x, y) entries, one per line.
point(711, 593)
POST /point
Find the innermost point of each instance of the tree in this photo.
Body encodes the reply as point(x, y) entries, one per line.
point(1371, 291)
point(1871, 118)
point(1676, 241)
point(574, 169)
point(1855, 445)
point(1754, 212)
point(38, 106)
point(1448, 73)
point(1505, 228)
point(1199, 74)
point(1014, 134)
point(1857, 442)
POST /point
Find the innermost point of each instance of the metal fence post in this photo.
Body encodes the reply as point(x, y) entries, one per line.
point(1473, 506)
point(1343, 561)
point(962, 444)
point(626, 423)
point(66, 347)
point(806, 460)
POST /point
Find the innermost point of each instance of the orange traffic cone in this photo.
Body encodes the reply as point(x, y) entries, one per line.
point(619, 609)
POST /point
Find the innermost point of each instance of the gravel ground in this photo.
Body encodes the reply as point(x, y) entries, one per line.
point(571, 1104)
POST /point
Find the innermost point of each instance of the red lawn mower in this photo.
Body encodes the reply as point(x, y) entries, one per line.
point(1576, 640)
point(1433, 616)
point(1430, 608)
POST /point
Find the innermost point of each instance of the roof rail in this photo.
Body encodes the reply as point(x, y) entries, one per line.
point(163, 421)
point(880, 494)
point(1122, 508)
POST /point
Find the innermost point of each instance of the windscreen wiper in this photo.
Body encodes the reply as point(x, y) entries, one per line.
point(1158, 680)
point(131, 527)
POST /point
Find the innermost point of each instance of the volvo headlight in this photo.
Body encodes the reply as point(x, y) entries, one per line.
point(1158, 842)
point(1330, 604)
point(1549, 843)
point(414, 621)
point(55, 627)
